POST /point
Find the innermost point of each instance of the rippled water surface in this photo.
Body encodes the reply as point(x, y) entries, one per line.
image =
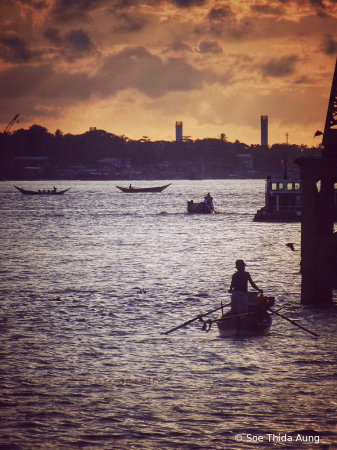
point(83, 360)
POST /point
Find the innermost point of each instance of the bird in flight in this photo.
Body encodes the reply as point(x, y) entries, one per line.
point(291, 246)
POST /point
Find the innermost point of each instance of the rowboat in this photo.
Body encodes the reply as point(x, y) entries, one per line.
point(256, 322)
point(41, 192)
point(131, 189)
point(245, 325)
point(199, 208)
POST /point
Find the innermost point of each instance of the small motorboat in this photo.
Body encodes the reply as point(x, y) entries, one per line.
point(256, 322)
point(132, 189)
point(199, 208)
point(53, 191)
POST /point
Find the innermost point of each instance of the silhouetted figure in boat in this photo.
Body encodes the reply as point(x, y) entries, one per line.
point(239, 288)
point(208, 202)
point(54, 189)
point(130, 187)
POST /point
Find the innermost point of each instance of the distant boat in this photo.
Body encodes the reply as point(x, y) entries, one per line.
point(41, 192)
point(199, 208)
point(283, 201)
point(131, 189)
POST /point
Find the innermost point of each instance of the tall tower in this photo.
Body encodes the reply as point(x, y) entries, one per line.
point(179, 131)
point(264, 130)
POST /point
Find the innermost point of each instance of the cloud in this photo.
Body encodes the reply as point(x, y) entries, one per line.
point(127, 23)
point(189, 3)
point(43, 83)
point(209, 47)
point(13, 49)
point(220, 14)
point(79, 41)
point(133, 68)
point(68, 10)
point(178, 46)
point(53, 35)
point(267, 10)
point(35, 4)
point(280, 67)
point(329, 45)
point(137, 68)
point(223, 23)
point(73, 45)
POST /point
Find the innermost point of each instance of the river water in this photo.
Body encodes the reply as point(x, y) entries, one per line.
point(91, 279)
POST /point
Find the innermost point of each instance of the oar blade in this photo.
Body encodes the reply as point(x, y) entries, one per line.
point(194, 318)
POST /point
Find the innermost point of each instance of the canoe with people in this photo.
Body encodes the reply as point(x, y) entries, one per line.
point(53, 191)
point(204, 207)
point(132, 189)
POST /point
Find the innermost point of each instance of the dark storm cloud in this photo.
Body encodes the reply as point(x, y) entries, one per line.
point(73, 45)
point(189, 3)
point(68, 10)
point(53, 35)
point(126, 23)
point(138, 68)
point(209, 47)
point(13, 49)
point(222, 22)
point(280, 67)
point(178, 46)
point(43, 82)
point(79, 41)
point(220, 14)
point(36, 4)
point(267, 9)
point(329, 45)
point(132, 68)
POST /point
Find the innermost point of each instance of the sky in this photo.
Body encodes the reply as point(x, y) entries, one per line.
point(135, 67)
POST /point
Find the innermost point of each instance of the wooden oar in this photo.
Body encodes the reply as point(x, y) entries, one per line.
point(194, 318)
point(232, 317)
point(293, 322)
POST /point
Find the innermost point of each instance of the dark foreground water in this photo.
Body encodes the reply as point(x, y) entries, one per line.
point(83, 360)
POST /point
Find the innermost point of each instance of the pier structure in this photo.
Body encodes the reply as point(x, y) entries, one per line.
point(318, 239)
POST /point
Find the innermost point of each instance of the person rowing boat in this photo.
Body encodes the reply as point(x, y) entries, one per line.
point(239, 288)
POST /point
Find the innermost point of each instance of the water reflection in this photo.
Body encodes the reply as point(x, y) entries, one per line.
point(80, 343)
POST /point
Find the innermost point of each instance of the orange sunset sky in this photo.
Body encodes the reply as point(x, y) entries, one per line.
point(134, 67)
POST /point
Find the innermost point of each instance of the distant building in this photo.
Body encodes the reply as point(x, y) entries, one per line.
point(264, 130)
point(179, 131)
point(93, 129)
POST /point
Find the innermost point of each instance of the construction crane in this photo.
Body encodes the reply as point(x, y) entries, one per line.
point(11, 123)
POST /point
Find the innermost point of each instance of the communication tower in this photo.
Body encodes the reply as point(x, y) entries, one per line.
point(264, 130)
point(179, 131)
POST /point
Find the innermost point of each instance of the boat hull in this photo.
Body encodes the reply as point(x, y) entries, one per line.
point(284, 216)
point(245, 326)
point(137, 190)
point(198, 208)
point(50, 192)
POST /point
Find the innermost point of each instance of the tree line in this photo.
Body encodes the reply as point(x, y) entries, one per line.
point(91, 146)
